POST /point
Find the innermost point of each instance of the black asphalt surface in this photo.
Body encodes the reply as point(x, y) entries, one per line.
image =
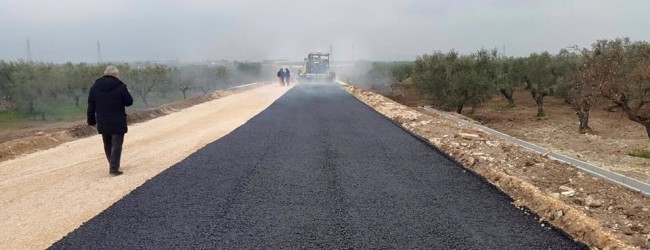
point(317, 169)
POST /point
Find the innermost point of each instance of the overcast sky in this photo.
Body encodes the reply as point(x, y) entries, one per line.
point(190, 30)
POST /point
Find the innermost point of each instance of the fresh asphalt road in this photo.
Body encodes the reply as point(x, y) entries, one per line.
point(317, 169)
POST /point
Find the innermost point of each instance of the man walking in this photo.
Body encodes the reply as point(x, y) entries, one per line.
point(281, 76)
point(107, 100)
point(287, 76)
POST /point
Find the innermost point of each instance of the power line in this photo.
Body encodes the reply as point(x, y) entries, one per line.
point(331, 52)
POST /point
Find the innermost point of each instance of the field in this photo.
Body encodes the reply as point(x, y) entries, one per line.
point(66, 112)
point(614, 137)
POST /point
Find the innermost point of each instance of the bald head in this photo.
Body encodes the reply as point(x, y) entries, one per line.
point(112, 71)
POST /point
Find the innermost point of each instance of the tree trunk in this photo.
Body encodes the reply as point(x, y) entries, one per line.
point(583, 116)
point(144, 99)
point(31, 108)
point(507, 93)
point(582, 109)
point(76, 101)
point(184, 90)
point(633, 115)
point(539, 100)
point(459, 107)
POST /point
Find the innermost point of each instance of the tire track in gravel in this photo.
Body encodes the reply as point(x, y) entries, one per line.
point(317, 169)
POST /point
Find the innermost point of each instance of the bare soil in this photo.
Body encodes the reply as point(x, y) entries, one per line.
point(614, 136)
point(593, 211)
point(46, 194)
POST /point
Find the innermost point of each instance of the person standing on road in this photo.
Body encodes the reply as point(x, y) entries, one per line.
point(281, 77)
point(107, 100)
point(287, 76)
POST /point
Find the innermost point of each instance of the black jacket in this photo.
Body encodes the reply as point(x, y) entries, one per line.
point(107, 100)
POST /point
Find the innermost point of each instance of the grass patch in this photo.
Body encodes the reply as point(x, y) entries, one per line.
point(63, 110)
point(506, 106)
point(11, 115)
point(640, 153)
point(156, 100)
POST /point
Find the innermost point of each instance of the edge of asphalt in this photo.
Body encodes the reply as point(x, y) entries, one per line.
point(460, 166)
point(596, 171)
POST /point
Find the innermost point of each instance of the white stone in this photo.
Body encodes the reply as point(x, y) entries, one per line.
point(570, 193)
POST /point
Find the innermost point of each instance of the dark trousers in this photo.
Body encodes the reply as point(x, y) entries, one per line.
point(113, 149)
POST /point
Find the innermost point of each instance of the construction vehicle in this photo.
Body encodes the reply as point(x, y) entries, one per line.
point(316, 67)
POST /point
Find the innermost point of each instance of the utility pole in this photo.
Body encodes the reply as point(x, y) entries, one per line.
point(353, 55)
point(331, 52)
point(99, 53)
point(29, 51)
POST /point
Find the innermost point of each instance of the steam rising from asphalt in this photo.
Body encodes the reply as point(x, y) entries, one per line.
point(360, 74)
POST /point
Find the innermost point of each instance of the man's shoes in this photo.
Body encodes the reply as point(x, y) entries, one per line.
point(115, 172)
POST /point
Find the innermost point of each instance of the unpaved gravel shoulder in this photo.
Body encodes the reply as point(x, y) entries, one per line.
point(45, 195)
point(591, 210)
point(21, 142)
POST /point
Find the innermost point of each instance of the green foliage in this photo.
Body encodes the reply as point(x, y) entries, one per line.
point(510, 74)
point(618, 70)
point(565, 68)
point(143, 81)
point(57, 92)
point(545, 74)
point(538, 72)
point(504, 106)
point(12, 115)
point(455, 81)
point(640, 153)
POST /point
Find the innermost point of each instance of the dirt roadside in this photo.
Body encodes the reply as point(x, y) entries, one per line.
point(608, 146)
point(600, 214)
point(49, 193)
point(15, 143)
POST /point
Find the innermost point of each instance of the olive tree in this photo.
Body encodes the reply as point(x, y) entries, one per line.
point(631, 90)
point(456, 81)
point(5, 70)
point(539, 79)
point(429, 75)
point(79, 78)
point(599, 68)
point(181, 79)
point(34, 86)
point(143, 81)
